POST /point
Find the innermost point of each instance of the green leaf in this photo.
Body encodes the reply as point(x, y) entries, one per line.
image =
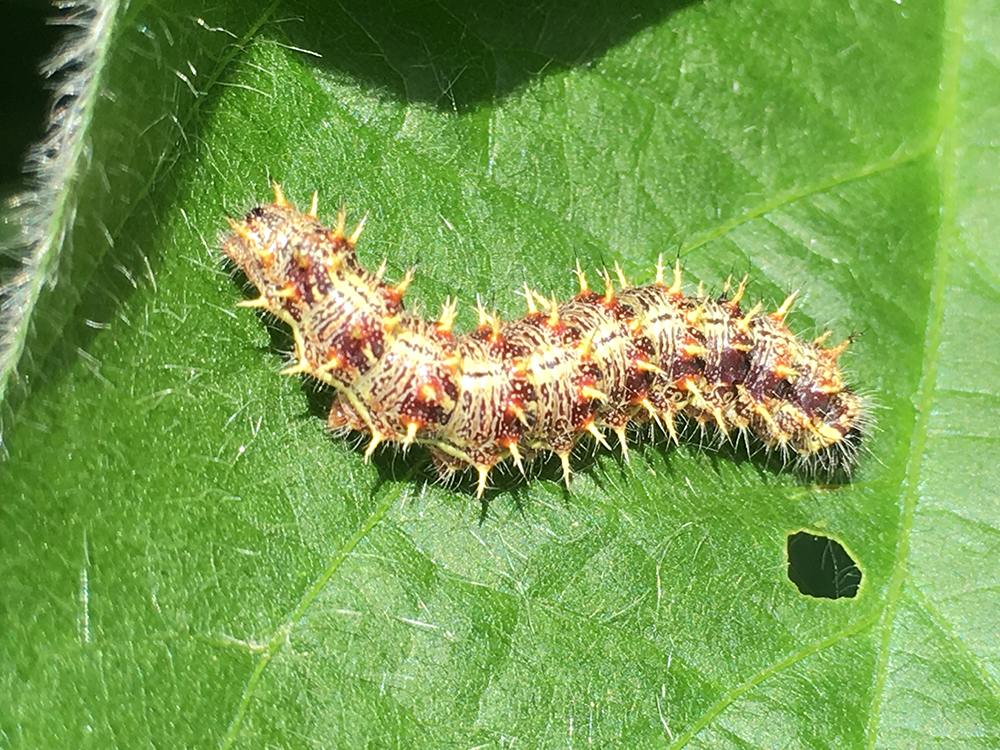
point(190, 560)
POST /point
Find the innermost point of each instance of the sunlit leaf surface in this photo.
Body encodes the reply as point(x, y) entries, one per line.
point(189, 560)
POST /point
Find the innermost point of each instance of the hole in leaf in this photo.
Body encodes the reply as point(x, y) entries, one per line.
point(821, 567)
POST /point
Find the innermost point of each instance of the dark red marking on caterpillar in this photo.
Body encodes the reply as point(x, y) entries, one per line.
point(515, 388)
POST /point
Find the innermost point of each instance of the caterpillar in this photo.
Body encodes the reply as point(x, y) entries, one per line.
point(514, 389)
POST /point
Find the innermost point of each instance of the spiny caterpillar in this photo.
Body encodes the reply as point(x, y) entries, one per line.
point(511, 389)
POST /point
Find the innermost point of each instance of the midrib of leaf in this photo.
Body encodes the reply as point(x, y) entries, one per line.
point(274, 644)
point(947, 148)
point(280, 636)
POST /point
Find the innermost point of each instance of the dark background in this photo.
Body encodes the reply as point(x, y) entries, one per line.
point(27, 41)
